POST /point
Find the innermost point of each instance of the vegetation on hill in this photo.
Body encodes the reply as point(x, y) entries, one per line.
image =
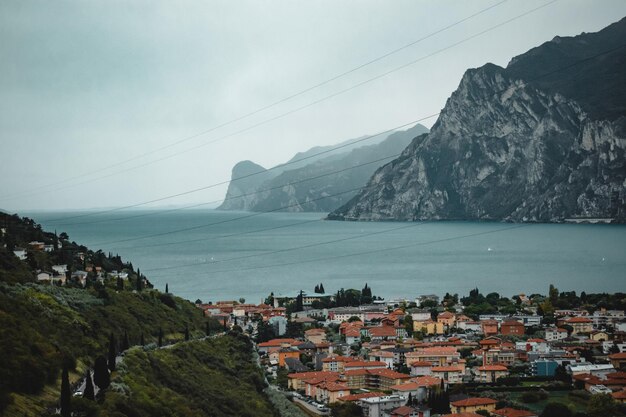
point(46, 327)
point(212, 377)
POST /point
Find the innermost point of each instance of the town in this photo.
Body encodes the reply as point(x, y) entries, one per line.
point(352, 353)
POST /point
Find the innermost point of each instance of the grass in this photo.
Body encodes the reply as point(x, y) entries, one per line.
point(562, 397)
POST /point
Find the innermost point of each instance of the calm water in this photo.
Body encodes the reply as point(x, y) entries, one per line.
point(246, 255)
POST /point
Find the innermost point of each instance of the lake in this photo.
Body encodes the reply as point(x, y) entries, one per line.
point(228, 255)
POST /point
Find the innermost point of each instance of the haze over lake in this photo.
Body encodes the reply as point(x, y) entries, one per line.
point(413, 259)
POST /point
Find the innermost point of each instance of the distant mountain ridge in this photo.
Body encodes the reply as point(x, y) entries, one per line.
point(543, 139)
point(319, 187)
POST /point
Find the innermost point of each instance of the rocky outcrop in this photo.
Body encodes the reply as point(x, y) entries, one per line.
point(509, 147)
point(313, 183)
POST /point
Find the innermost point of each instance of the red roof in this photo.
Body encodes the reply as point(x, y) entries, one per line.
point(310, 375)
point(472, 402)
point(513, 412)
point(578, 320)
point(409, 386)
point(618, 356)
point(427, 381)
point(620, 395)
point(493, 368)
point(278, 342)
point(422, 364)
point(383, 331)
point(404, 411)
point(447, 369)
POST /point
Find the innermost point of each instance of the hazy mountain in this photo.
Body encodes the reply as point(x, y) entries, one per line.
point(313, 183)
point(516, 144)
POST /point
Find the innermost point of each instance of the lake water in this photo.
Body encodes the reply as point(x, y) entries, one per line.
point(228, 255)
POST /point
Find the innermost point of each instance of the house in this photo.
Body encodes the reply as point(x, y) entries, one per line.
point(450, 374)
point(490, 373)
point(429, 327)
point(489, 327)
point(599, 336)
point(296, 381)
point(555, 334)
point(406, 411)
point(277, 343)
point(473, 404)
point(350, 366)
point(513, 412)
point(353, 335)
point(580, 324)
point(284, 353)
point(330, 392)
point(335, 363)
point(382, 333)
point(512, 328)
point(44, 278)
point(420, 368)
point(20, 253)
point(279, 323)
point(378, 379)
point(437, 356)
point(447, 318)
point(315, 335)
point(376, 406)
point(618, 360)
point(470, 326)
point(620, 396)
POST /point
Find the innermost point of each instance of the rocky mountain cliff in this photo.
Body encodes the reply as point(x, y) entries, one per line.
point(541, 140)
point(309, 183)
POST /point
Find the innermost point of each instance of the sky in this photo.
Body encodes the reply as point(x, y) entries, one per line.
point(116, 103)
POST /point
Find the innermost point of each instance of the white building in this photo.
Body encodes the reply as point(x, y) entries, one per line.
point(20, 253)
point(555, 334)
point(377, 406)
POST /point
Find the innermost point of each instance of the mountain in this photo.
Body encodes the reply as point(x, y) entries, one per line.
point(311, 182)
point(543, 140)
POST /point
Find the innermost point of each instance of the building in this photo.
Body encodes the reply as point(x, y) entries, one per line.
point(555, 334)
point(406, 411)
point(374, 379)
point(490, 373)
point(489, 327)
point(450, 374)
point(513, 412)
point(284, 353)
point(580, 325)
point(377, 406)
point(512, 328)
point(279, 323)
point(315, 335)
point(543, 367)
point(436, 356)
point(471, 405)
point(618, 360)
point(331, 392)
point(296, 381)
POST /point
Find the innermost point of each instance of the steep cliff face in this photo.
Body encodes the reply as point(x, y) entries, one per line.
point(507, 148)
point(314, 184)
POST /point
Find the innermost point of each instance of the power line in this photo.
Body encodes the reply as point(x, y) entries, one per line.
point(287, 98)
point(264, 190)
point(370, 252)
point(282, 115)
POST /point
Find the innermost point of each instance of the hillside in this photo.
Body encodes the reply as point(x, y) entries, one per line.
point(313, 184)
point(541, 140)
point(44, 327)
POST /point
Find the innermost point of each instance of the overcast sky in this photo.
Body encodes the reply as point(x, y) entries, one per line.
point(88, 84)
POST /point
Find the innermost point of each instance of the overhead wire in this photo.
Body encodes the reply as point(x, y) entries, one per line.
point(282, 100)
point(327, 97)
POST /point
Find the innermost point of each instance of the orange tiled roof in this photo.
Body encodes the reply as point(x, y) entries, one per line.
point(513, 412)
point(578, 320)
point(493, 368)
point(472, 402)
point(356, 397)
point(446, 369)
point(427, 381)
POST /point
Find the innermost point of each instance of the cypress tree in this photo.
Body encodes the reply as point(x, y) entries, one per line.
point(139, 283)
point(186, 334)
point(120, 284)
point(125, 342)
point(112, 352)
point(409, 401)
point(322, 289)
point(208, 328)
point(167, 290)
point(142, 342)
point(66, 395)
point(225, 328)
point(160, 336)
point(101, 376)
point(317, 289)
point(89, 391)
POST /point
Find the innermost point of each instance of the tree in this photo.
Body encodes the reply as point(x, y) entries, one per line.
point(242, 300)
point(125, 342)
point(553, 294)
point(142, 341)
point(167, 289)
point(112, 352)
point(101, 376)
point(322, 289)
point(186, 334)
point(556, 410)
point(139, 283)
point(89, 391)
point(299, 304)
point(602, 405)
point(120, 284)
point(66, 395)
point(208, 328)
point(160, 336)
